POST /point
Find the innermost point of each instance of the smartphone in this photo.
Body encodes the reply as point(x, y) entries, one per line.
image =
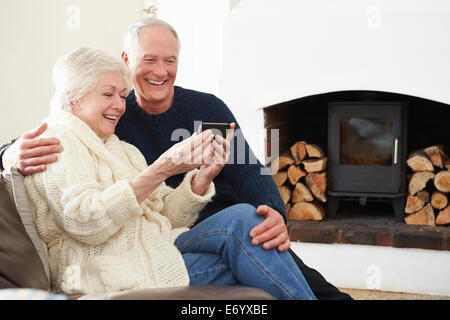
point(216, 127)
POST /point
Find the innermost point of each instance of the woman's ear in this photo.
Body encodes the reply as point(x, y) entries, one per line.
point(125, 58)
point(75, 104)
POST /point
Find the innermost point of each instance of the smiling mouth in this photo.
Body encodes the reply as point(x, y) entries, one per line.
point(156, 83)
point(111, 117)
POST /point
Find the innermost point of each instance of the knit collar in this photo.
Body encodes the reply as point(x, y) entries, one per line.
point(135, 109)
point(106, 149)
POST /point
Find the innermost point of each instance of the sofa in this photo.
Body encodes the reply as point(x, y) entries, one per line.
point(24, 269)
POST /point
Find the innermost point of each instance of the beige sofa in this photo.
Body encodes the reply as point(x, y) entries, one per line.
point(23, 259)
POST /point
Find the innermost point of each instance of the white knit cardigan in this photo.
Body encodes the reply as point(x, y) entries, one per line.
point(99, 238)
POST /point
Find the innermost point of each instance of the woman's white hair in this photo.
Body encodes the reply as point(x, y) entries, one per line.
point(132, 36)
point(77, 72)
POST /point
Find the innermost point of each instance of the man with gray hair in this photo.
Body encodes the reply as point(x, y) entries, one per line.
point(155, 109)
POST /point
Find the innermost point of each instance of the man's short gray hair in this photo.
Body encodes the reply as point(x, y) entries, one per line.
point(132, 36)
point(77, 72)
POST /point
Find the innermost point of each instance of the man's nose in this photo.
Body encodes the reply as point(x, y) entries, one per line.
point(160, 69)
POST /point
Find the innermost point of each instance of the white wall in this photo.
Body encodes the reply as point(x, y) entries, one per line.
point(34, 34)
point(276, 51)
point(199, 24)
point(379, 268)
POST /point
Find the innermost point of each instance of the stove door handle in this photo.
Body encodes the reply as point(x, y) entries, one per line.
point(395, 150)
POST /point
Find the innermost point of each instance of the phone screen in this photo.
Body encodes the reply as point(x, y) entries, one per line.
point(216, 127)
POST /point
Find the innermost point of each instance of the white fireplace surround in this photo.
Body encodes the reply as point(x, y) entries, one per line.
point(277, 51)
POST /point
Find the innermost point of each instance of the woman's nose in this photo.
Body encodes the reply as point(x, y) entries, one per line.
point(118, 102)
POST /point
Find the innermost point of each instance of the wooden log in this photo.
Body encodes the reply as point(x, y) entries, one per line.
point(306, 211)
point(294, 154)
point(282, 162)
point(436, 155)
point(315, 165)
point(280, 178)
point(414, 204)
point(439, 200)
point(294, 174)
point(443, 216)
point(317, 183)
point(301, 194)
point(288, 207)
point(301, 150)
point(419, 161)
point(285, 193)
point(314, 151)
point(424, 195)
point(419, 181)
point(442, 181)
point(424, 217)
point(298, 151)
point(447, 164)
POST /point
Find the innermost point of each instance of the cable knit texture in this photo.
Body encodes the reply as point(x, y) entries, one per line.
point(99, 238)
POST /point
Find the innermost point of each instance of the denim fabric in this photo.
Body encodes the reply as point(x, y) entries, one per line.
point(219, 250)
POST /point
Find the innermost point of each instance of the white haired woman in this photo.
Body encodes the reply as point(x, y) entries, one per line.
point(109, 220)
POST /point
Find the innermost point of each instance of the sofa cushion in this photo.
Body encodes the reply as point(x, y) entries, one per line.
point(193, 292)
point(29, 294)
point(15, 183)
point(20, 264)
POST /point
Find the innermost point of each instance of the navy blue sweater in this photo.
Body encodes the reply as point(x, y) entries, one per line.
point(152, 135)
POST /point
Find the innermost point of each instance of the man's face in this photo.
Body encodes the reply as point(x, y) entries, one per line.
point(154, 68)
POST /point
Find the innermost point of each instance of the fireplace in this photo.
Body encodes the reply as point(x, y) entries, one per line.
point(367, 143)
point(347, 55)
point(415, 123)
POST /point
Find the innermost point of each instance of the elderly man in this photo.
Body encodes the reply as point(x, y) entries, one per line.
point(157, 108)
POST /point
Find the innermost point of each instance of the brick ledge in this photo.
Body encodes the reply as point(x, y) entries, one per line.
point(376, 232)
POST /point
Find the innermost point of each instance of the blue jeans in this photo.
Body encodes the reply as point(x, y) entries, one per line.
point(218, 250)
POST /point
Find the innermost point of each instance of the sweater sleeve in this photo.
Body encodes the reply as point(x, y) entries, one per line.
point(182, 205)
point(83, 208)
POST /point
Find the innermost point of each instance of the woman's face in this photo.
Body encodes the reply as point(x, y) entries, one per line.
point(102, 107)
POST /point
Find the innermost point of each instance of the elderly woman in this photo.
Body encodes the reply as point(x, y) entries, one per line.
point(109, 220)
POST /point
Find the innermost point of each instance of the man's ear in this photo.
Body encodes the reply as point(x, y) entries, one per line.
point(125, 58)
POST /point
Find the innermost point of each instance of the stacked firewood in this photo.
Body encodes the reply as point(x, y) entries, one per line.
point(428, 187)
point(302, 181)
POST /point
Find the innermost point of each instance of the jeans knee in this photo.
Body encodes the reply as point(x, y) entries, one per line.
point(245, 215)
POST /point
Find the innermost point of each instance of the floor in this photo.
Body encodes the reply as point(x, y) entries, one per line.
point(383, 295)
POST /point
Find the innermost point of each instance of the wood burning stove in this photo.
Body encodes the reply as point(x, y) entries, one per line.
point(366, 153)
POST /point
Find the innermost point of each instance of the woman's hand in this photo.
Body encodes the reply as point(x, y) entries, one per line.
point(220, 152)
point(182, 157)
point(186, 155)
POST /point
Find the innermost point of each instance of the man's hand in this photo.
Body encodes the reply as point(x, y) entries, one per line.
point(30, 153)
point(219, 152)
point(272, 232)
